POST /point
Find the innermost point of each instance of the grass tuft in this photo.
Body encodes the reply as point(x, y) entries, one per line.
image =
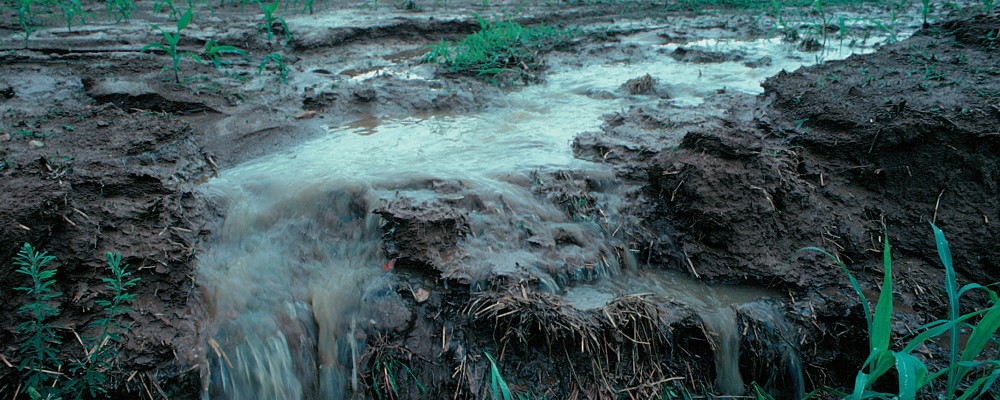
point(498, 48)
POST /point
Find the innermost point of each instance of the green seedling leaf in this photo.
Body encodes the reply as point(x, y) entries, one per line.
point(912, 375)
point(185, 20)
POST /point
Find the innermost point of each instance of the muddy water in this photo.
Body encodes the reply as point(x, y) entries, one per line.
point(293, 274)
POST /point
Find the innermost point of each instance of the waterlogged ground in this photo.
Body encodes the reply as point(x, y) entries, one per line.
point(627, 226)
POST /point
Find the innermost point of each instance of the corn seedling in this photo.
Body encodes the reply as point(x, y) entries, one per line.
point(71, 10)
point(912, 373)
point(279, 65)
point(120, 10)
point(101, 350)
point(925, 10)
point(26, 19)
point(270, 19)
point(170, 45)
point(41, 358)
point(215, 53)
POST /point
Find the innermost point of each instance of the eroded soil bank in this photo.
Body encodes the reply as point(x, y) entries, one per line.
point(726, 192)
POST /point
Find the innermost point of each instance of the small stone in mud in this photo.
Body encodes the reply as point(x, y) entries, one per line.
point(601, 95)
point(103, 124)
point(810, 44)
point(701, 56)
point(36, 144)
point(760, 62)
point(644, 85)
point(421, 295)
point(5, 137)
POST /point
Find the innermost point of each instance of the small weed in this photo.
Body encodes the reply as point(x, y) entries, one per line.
point(41, 358)
point(170, 45)
point(100, 352)
point(41, 367)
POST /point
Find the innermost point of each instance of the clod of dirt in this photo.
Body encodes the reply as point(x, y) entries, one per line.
point(135, 95)
point(810, 44)
point(758, 63)
point(424, 234)
point(644, 85)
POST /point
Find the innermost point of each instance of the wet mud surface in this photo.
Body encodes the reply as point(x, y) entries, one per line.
point(101, 151)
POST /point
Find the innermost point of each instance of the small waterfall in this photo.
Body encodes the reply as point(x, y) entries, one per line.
point(725, 336)
point(285, 277)
point(771, 349)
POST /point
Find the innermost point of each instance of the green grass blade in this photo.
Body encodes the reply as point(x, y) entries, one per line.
point(980, 337)
point(185, 20)
point(938, 328)
point(854, 283)
point(950, 288)
point(912, 375)
point(982, 385)
point(497, 381)
point(883, 310)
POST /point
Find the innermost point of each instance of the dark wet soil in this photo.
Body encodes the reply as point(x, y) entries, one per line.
point(826, 157)
point(101, 151)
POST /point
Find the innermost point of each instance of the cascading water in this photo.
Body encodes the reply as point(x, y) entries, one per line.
point(293, 271)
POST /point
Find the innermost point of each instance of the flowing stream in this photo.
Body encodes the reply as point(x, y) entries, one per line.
point(294, 269)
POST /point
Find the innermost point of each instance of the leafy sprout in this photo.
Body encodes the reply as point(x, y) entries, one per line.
point(170, 45)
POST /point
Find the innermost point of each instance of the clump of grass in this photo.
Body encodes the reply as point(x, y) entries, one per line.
point(504, 47)
point(912, 372)
point(389, 363)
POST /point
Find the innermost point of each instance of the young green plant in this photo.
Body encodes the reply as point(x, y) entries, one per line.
point(26, 19)
point(170, 45)
point(101, 350)
point(270, 19)
point(40, 356)
point(215, 53)
point(279, 65)
point(912, 373)
point(71, 10)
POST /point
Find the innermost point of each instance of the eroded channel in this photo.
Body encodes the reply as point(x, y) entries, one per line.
point(294, 273)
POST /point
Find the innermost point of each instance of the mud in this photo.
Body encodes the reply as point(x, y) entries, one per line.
point(824, 158)
point(102, 151)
